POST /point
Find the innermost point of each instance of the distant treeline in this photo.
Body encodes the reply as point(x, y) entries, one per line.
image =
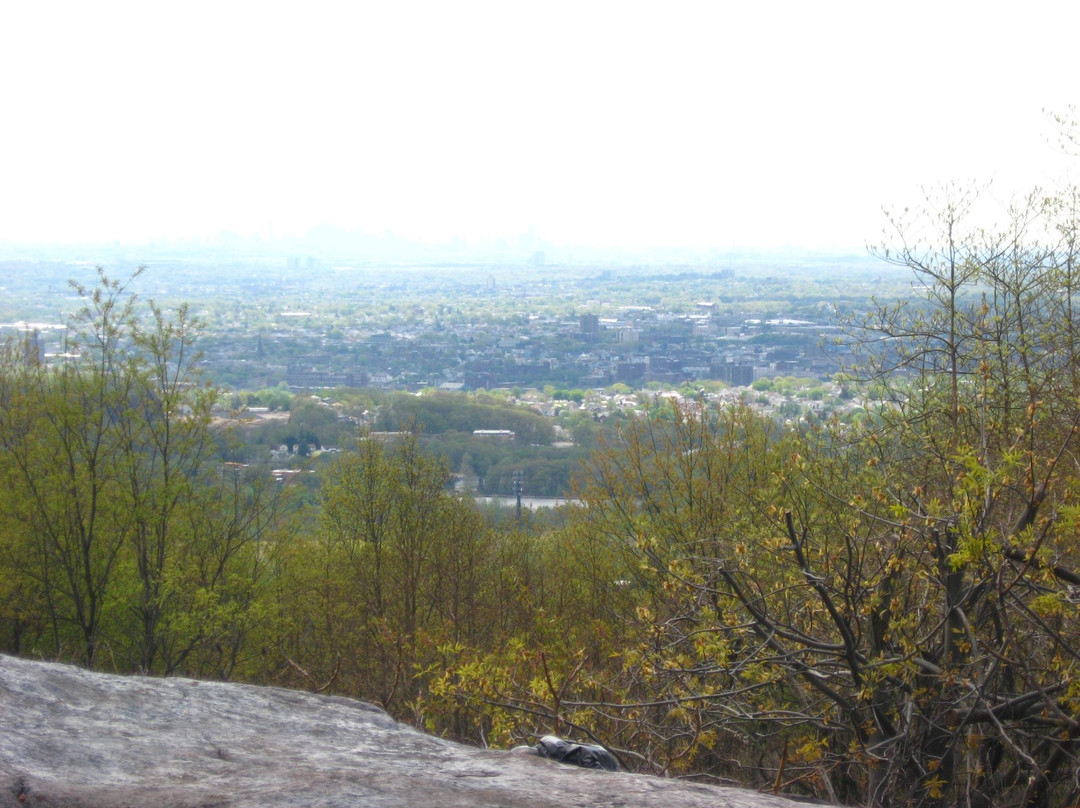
point(439, 412)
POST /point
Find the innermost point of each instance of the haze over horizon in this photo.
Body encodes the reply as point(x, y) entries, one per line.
point(702, 126)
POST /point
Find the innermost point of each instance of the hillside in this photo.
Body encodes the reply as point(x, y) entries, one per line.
point(81, 739)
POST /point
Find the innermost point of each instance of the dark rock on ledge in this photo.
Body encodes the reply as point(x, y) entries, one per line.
point(78, 739)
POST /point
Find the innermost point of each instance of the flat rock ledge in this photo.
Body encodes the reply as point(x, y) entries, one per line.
point(79, 739)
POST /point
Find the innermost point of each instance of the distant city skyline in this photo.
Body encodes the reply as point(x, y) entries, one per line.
point(623, 126)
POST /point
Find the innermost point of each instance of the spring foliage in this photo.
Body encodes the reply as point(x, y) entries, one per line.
point(880, 612)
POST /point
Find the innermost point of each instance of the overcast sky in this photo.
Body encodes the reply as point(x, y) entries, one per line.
point(701, 125)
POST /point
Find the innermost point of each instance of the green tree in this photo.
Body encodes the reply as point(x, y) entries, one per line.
point(60, 442)
point(407, 562)
point(121, 529)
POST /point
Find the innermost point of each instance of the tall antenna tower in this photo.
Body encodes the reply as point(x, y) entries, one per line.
point(519, 484)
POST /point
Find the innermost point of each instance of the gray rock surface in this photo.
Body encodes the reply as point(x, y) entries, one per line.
point(79, 739)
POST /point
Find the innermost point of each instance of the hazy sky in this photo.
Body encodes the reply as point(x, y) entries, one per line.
point(710, 124)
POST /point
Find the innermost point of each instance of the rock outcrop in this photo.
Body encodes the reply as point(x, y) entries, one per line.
point(79, 739)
